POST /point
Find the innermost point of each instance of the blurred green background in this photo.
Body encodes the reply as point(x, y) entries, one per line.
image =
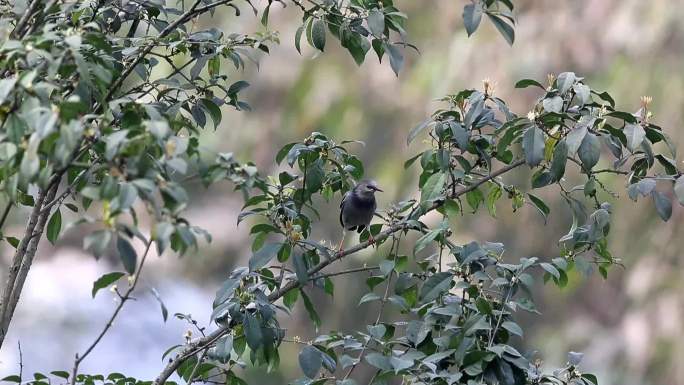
point(629, 326)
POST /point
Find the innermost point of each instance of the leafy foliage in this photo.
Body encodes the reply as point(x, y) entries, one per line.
point(109, 116)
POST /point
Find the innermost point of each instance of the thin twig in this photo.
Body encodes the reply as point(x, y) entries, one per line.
point(21, 362)
point(124, 298)
point(197, 365)
point(5, 214)
point(503, 306)
point(377, 319)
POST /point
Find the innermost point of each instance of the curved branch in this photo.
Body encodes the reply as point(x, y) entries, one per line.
point(108, 325)
point(205, 342)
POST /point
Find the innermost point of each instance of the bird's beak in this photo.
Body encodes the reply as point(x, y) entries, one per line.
point(377, 189)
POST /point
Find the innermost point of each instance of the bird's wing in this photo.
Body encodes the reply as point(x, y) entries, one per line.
point(344, 199)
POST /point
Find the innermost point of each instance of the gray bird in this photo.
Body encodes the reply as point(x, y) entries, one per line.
point(358, 207)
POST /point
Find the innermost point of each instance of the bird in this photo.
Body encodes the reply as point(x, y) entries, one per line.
point(358, 207)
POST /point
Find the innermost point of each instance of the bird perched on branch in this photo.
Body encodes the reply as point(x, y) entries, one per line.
point(358, 207)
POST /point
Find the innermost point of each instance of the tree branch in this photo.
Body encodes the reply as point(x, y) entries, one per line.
point(205, 342)
point(5, 214)
point(19, 266)
point(193, 11)
point(124, 298)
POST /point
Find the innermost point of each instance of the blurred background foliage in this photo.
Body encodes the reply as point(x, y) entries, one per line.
point(628, 325)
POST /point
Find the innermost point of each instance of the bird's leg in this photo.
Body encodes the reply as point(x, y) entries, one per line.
point(339, 248)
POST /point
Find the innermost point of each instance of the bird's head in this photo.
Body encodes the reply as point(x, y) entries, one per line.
point(367, 188)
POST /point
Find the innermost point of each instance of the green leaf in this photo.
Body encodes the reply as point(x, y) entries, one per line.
point(54, 226)
point(589, 151)
point(472, 15)
point(357, 46)
point(127, 253)
point(626, 116)
point(540, 205)
point(512, 328)
point(553, 104)
point(12, 378)
point(264, 255)
point(474, 199)
point(583, 93)
point(635, 135)
point(60, 374)
point(425, 240)
point(679, 190)
point(97, 242)
point(290, 298)
point(213, 110)
point(300, 268)
point(376, 22)
point(524, 83)
point(164, 310)
point(533, 145)
point(253, 332)
point(483, 306)
point(506, 30)
point(551, 269)
point(435, 286)
point(310, 360)
point(575, 138)
point(663, 205)
point(417, 130)
point(432, 189)
point(223, 349)
point(493, 196)
point(105, 281)
point(560, 158)
point(318, 34)
point(313, 315)
point(590, 378)
point(565, 81)
point(298, 39)
point(396, 57)
point(461, 135)
point(379, 361)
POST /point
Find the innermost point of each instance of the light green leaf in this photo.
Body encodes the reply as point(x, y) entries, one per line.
point(105, 281)
point(376, 22)
point(318, 34)
point(54, 226)
point(635, 135)
point(589, 151)
point(310, 361)
point(679, 190)
point(264, 255)
point(472, 15)
point(127, 253)
point(663, 205)
point(435, 286)
point(553, 104)
point(432, 189)
point(533, 145)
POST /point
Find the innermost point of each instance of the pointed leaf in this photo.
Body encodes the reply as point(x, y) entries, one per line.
point(54, 226)
point(127, 253)
point(105, 281)
point(533, 145)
